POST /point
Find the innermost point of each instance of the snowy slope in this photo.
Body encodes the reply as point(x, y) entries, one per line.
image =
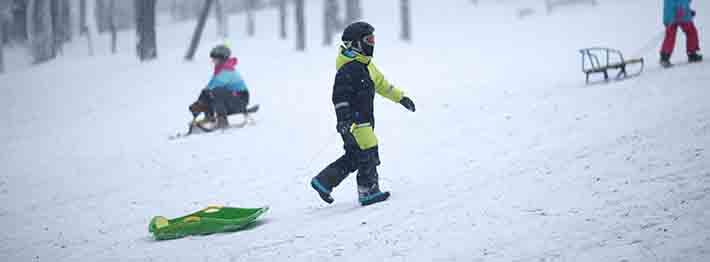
point(510, 157)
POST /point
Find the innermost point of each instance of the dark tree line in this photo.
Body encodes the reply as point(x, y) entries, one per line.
point(333, 24)
point(45, 26)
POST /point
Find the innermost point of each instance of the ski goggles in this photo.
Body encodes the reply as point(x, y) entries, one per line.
point(369, 39)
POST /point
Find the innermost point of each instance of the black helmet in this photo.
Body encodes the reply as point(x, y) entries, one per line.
point(221, 52)
point(359, 37)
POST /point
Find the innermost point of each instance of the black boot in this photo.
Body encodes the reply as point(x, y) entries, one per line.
point(368, 188)
point(323, 192)
point(694, 57)
point(331, 176)
point(665, 60)
point(371, 195)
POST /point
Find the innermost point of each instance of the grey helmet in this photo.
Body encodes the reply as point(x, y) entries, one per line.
point(220, 52)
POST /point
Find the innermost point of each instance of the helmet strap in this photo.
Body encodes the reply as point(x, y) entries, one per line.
point(355, 46)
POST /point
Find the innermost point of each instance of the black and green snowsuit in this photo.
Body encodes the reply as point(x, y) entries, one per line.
point(356, 83)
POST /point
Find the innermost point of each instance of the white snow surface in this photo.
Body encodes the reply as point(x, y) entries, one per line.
point(509, 157)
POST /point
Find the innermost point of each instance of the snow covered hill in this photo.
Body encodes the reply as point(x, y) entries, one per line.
point(509, 157)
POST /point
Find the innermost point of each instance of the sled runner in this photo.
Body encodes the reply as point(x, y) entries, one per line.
point(213, 219)
point(600, 60)
point(205, 125)
point(209, 126)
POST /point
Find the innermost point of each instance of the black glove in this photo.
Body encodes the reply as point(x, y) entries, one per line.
point(408, 104)
point(692, 13)
point(343, 127)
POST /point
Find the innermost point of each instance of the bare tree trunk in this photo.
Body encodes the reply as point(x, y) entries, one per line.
point(17, 21)
point(300, 26)
point(353, 12)
point(66, 21)
point(221, 17)
point(338, 17)
point(82, 18)
point(99, 13)
point(406, 21)
point(58, 34)
point(112, 25)
point(198, 30)
point(329, 13)
point(61, 22)
point(174, 9)
point(89, 25)
point(145, 27)
point(250, 17)
point(29, 20)
point(5, 17)
point(3, 34)
point(40, 30)
point(282, 18)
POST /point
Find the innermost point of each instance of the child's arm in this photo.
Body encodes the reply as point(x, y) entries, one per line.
point(388, 90)
point(383, 87)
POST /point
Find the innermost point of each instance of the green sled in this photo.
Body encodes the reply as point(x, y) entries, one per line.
point(213, 219)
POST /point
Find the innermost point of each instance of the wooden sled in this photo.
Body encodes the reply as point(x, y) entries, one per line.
point(600, 60)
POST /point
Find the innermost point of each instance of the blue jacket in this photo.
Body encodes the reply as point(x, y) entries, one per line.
point(676, 11)
point(226, 76)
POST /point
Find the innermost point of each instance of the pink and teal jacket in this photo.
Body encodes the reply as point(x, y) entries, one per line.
point(226, 76)
point(676, 12)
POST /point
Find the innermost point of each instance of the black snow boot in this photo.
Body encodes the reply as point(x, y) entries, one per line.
point(371, 195)
point(323, 192)
point(694, 58)
point(665, 60)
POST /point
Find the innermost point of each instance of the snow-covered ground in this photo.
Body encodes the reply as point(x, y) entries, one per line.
point(509, 157)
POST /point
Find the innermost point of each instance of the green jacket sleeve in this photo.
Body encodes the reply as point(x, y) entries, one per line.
point(383, 87)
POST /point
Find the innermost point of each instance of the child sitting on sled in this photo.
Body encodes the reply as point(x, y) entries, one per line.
point(225, 94)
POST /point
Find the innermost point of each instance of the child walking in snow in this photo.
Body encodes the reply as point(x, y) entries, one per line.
point(356, 83)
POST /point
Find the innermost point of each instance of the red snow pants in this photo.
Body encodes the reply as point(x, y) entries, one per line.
point(691, 33)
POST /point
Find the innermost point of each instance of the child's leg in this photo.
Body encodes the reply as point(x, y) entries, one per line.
point(220, 99)
point(238, 103)
point(333, 174)
point(368, 187)
point(207, 101)
point(367, 176)
point(336, 172)
point(669, 41)
point(691, 33)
